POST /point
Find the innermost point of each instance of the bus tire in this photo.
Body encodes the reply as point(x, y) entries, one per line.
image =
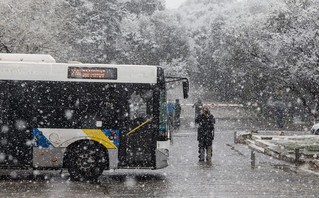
point(86, 161)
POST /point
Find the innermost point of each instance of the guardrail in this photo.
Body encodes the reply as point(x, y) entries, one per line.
point(217, 105)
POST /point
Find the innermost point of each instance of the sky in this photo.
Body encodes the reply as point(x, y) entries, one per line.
point(173, 4)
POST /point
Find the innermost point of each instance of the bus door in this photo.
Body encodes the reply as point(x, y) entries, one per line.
point(137, 144)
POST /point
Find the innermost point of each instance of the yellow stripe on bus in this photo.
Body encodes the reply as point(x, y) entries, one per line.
point(139, 126)
point(99, 136)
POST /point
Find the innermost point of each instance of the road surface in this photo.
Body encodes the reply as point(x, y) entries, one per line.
point(229, 175)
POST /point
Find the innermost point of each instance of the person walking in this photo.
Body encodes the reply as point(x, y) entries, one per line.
point(280, 109)
point(198, 106)
point(170, 111)
point(177, 115)
point(205, 134)
point(170, 119)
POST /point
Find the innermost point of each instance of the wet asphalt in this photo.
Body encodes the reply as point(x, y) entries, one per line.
point(229, 175)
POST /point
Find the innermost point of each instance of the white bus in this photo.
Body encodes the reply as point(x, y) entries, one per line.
point(83, 117)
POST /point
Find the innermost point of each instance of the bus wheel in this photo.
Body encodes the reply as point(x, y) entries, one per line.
point(87, 161)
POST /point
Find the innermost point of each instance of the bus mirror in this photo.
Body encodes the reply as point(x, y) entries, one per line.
point(185, 84)
point(185, 89)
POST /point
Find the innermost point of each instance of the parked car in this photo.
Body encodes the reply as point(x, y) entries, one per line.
point(315, 129)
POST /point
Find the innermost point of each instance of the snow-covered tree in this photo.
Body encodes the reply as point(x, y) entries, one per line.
point(254, 50)
point(36, 26)
point(159, 39)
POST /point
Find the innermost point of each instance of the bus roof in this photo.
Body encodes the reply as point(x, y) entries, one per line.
point(45, 58)
point(32, 68)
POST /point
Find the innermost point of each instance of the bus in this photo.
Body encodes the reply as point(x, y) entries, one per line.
point(85, 118)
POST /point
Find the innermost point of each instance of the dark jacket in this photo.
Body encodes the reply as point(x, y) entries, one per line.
point(178, 109)
point(205, 128)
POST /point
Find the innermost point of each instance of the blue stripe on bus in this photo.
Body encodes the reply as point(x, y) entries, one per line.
point(113, 136)
point(39, 140)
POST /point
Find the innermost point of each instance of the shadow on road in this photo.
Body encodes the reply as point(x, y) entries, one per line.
point(107, 177)
point(137, 177)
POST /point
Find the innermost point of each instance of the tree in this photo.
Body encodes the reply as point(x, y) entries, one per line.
point(159, 39)
point(34, 27)
point(144, 7)
point(98, 25)
point(252, 51)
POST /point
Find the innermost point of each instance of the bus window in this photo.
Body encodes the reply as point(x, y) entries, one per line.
point(97, 107)
point(141, 105)
point(2, 103)
point(76, 105)
point(137, 106)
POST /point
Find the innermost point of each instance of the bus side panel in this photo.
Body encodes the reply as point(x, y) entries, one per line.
point(16, 133)
point(139, 149)
point(50, 144)
point(48, 157)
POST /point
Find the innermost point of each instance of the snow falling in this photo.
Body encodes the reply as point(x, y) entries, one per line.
point(260, 54)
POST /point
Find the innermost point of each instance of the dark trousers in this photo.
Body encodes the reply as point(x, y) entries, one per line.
point(205, 146)
point(170, 120)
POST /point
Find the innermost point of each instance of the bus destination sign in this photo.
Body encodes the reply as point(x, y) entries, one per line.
point(92, 73)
